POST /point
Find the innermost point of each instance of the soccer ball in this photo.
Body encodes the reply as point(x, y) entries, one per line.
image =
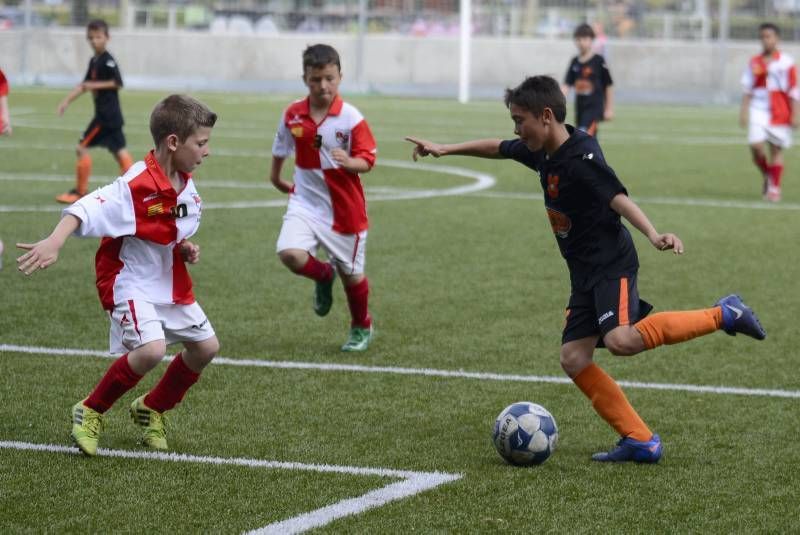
point(525, 433)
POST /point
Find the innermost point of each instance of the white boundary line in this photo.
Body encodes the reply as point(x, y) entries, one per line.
point(412, 482)
point(481, 181)
point(429, 372)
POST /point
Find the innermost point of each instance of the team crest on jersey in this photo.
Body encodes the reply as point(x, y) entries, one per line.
point(342, 137)
point(586, 71)
point(155, 209)
point(297, 131)
point(560, 223)
point(552, 186)
point(197, 200)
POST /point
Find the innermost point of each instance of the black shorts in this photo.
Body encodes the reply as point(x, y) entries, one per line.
point(97, 135)
point(610, 303)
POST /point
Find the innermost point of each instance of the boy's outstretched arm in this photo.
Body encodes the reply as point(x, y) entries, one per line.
point(481, 148)
point(624, 206)
point(75, 93)
point(275, 176)
point(45, 252)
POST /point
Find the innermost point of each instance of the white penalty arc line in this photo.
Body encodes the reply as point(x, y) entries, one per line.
point(411, 483)
point(480, 182)
point(428, 372)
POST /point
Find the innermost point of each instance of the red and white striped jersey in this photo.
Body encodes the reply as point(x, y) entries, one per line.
point(772, 86)
point(141, 219)
point(322, 189)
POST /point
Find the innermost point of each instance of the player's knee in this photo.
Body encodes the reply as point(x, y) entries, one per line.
point(293, 259)
point(620, 343)
point(149, 355)
point(573, 362)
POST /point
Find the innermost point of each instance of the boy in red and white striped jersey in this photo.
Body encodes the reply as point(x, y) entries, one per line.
point(144, 219)
point(770, 107)
point(332, 143)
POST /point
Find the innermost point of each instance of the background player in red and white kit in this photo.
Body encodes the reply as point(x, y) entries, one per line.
point(145, 218)
point(104, 80)
point(332, 144)
point(769, 108)
point(5, 117)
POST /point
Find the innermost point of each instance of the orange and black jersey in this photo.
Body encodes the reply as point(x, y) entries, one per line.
point(578, 188)
point(590, 80)
point(106, 101)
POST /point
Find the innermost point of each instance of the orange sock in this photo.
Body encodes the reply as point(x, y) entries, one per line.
point(673, 327)
point(125, 161)
point(610, 403)
point(83, 170)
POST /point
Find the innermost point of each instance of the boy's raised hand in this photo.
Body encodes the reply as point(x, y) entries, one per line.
point(40, 255)
point(423, 147)
point(664, 242)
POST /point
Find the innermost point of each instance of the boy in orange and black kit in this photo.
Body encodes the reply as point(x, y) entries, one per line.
point(588, 73)
point(584, 200)
point(104, 80)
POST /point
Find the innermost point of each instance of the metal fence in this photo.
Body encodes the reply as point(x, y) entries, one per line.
point(613, 19)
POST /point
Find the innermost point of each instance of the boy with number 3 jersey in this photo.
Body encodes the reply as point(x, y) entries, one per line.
point(332, 143)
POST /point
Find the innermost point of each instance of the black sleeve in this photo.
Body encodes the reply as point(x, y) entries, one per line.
point(518, 151)
point(606, 74)
point(600, 178)
point(109, 70)
point(88, 76)
point(570, 77)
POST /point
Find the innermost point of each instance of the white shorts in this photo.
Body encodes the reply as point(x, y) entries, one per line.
point(348, 251)
point(135, 323)
point(761, 130)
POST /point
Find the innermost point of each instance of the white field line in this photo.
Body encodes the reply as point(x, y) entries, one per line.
point(412, 482)
point(480, 182)
point(428, 372)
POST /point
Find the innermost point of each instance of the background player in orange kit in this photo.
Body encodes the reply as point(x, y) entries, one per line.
point(104, 80)
point(588, 74)
point(770, 108)
point(332, 143)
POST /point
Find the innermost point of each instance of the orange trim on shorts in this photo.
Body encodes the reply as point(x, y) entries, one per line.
point(623, 301)
point(90, 136)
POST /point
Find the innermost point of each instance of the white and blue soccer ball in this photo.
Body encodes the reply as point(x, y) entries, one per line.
point(525, 434)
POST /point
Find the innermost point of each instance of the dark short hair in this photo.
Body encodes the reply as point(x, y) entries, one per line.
point(319, 55)
point(583, 30)
point(535, 94)
point(96, 25)
point(180, 115)
point(769, 26)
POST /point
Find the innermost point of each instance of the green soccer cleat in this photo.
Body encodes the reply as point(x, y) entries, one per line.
point(154, 423)
point(358, 340)
point(323, 295)
point(87, 424)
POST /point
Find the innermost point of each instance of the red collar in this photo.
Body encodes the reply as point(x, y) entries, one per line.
point(162, 181)
point(335, 108)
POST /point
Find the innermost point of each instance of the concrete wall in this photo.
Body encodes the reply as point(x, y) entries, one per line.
point(643, 70)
